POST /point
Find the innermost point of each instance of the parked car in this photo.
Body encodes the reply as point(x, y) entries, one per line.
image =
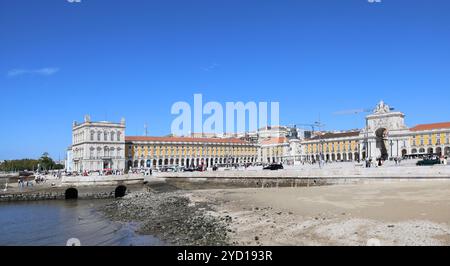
point(429, 161)
point(199, 168)
point(273, 166)
point(189, 169)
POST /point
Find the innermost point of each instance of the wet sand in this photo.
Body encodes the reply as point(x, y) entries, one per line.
point(386, 213)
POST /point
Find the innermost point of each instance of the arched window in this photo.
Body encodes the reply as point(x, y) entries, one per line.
point(118, 135)
point(98, 135)
point(106, 151)
point(92, 135)
point(112, 135)
point(105, 136)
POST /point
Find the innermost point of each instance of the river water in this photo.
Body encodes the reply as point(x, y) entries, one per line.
point(53, 223)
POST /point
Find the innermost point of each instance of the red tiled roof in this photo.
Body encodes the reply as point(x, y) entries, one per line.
point(274, 140)
point(430, 126)
point(185, 139)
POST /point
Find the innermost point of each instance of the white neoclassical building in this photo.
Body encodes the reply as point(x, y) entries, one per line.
point(97, 146)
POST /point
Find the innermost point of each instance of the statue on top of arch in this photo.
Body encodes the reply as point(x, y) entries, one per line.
point(381, 108)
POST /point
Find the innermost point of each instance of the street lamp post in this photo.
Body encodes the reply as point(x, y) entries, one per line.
point(319, 125)
point(392, 144)
point(397, 149)
point(366, 139)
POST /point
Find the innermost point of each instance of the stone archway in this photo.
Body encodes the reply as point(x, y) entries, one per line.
point(71, 193)
point(447, 151)
point(404, 152)
point(439, 151)
point(120, 191)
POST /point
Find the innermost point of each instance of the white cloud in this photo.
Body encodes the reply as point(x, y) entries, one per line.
point(46, 71)
point(210, 67)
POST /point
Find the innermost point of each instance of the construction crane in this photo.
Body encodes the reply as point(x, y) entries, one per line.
point(356, 111)
point(313, 126)
point(352, 111)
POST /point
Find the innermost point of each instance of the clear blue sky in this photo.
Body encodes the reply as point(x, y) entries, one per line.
point(135, 58)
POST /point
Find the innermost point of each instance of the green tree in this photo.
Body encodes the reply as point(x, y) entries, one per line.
point(45, 162)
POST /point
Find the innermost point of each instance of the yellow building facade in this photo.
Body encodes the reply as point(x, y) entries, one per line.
point(156, 152)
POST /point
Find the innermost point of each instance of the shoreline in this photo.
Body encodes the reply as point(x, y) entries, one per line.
point(398, 213)
point(171, 217)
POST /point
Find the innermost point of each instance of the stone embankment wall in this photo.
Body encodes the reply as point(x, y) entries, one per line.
point(98, 192)
point(102, 180)
point(438, 171)
point(52, 196)
point(218, 183)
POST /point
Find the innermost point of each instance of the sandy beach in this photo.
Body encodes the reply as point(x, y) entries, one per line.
point(384, 213)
